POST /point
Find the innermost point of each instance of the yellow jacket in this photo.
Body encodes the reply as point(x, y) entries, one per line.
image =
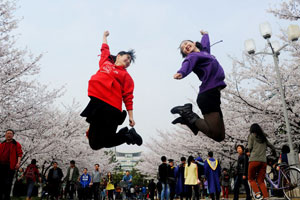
point(191, 174)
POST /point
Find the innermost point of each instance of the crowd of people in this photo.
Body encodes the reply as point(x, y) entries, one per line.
point(206, 178)
point(193, 177)
point(94, 185)
point(55, 185)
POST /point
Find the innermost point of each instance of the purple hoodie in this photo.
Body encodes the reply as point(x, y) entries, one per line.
point(205, 66)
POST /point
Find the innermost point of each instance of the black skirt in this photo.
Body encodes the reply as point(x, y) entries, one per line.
point(210, 101)
point(97, 108)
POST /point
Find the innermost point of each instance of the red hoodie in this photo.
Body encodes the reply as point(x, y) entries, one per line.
point(111, 83)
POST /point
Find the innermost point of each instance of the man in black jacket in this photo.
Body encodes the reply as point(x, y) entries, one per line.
point(242, 173)
point(54, 180)
point(171, 179)
point(163, 172)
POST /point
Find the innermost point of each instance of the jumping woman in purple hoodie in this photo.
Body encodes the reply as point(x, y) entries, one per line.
point(199, 60)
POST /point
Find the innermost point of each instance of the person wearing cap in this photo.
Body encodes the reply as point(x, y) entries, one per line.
point(10, 158)
point(179, 175)
point(171, 178)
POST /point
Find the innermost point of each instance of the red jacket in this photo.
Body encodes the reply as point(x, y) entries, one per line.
point(111, 83)
point(15, 152)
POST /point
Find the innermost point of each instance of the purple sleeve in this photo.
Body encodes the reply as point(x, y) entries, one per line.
point(205, 43)
point(187, 66)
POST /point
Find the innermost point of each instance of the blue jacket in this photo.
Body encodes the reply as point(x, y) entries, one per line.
point(179, 176)
point(85, 180)
point(127, 180)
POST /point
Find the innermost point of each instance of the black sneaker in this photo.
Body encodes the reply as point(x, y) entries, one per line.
point(134, 137)
point(181, 120)
point(186, 111)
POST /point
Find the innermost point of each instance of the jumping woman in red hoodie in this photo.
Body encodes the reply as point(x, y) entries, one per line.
point(111, 85)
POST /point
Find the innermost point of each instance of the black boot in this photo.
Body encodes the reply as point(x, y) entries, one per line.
point(186, 112)
point(134, 138)
point(181, 120)
point(123, 131)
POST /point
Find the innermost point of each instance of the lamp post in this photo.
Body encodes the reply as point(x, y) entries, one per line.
point(293, 35)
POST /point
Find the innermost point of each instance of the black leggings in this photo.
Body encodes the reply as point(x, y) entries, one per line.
point(190, 191)
point(110, 194)
point(104, 120)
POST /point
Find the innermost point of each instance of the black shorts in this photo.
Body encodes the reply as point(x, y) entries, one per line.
point(210, 101)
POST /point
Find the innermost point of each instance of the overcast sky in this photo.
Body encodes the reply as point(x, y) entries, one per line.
point(69, 33)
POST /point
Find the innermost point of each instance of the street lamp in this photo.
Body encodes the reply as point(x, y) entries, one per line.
point(293, 35)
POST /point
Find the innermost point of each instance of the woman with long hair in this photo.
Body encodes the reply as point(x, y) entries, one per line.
point(191, 178)
point(110, 188)
point(257, 144)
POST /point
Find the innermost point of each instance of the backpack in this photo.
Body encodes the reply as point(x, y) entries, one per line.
point(30, 174)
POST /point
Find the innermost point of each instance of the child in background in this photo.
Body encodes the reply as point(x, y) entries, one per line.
point(206, 192)
point(225, 178)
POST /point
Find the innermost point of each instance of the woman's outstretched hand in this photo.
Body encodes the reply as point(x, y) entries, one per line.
point(106, 33)
point(178, 76)
point(203, 32)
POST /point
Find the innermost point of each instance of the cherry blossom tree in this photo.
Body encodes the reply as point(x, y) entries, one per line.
point(46, 132)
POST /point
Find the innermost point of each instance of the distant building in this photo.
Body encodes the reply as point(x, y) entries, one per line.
point(128, 160)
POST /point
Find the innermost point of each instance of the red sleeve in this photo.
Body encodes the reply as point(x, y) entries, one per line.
point(104, 54)
point(19, 150)
point(127, 92)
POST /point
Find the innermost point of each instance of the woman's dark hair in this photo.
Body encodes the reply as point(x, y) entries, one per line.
point(285, 149)
point(198, 45)
point(243, 148)
point(109, 176)
point(190, 159)
point(255, 128)
point(131, 53)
